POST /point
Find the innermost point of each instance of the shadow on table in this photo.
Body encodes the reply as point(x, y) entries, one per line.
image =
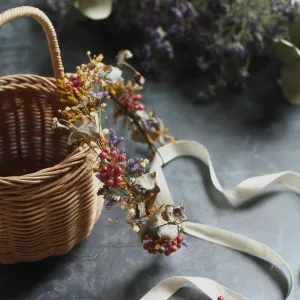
point(144, 275)
point(19, 279)
point(142, 280)
point(155, 269)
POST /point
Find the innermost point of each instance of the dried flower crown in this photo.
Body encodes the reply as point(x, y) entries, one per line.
point(125, 181)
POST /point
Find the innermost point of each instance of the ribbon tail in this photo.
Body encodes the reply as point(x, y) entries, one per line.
point(237, 195)
point(166, 288)
point(240, 243)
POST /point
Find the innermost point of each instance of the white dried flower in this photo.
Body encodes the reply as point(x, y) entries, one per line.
point(144, 163)
point(131, 212)
point(135, 227)
point(105, 131)
point(131, 180)
point(114, 75)
point(122, 56)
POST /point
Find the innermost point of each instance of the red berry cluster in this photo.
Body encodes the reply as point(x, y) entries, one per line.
point(132, 101)
point(220, 298)
point(112, 173)
point(74, 82)
point(156, 245)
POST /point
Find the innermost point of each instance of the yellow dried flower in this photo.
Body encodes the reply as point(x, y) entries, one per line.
point(171, 139)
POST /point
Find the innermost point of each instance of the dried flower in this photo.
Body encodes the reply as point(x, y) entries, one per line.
point(125, 182)
point(115, 75)
point(105, 131)
point(122, 56)
point(114, 140)
point(165, 223)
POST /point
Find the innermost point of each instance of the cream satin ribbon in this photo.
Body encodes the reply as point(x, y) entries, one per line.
point(236, 196)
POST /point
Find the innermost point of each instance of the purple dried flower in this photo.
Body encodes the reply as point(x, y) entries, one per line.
point(101, 95)
point(101, 73)
point(114, 140)
point(134, 165)
point(149, 123)
point(137, 168)
point(184, 244)
point(138, 188)
point(223, 33)
point(191, 9)
point(178, 14)
point(111, 202)
point(236, 50)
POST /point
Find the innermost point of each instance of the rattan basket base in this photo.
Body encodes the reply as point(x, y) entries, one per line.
point(48, 199)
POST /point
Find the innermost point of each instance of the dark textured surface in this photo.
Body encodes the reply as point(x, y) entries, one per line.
point(248, 134)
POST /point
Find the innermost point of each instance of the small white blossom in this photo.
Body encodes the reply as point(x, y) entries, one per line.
point(144, 163)
point(131, 212)
point(115, 75)
point(131, 180)
point(135, 227)
point(105, 131)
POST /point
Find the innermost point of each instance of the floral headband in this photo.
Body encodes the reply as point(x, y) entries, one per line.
point(151, 211)
point(125, 180)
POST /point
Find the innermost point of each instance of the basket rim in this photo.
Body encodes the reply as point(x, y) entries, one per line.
point(24, 80)
point(76, 156)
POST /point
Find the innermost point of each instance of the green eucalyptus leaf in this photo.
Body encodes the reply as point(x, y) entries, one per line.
point(146, 181)
point(94, 9)
point(294, 32)
point(286, 51)
point(87, 131)
point(290, 76)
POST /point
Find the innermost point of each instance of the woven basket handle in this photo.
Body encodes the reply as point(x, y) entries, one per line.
point(28, 11)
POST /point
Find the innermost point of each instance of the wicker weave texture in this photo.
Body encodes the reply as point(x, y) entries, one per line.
point(48, 200)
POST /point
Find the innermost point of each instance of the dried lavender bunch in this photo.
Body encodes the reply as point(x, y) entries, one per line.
point(220, 36)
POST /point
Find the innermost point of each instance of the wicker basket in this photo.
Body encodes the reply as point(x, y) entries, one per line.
point(48, 199)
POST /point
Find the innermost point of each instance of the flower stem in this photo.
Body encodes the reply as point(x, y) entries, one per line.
point(100, 123)
point(140, 127)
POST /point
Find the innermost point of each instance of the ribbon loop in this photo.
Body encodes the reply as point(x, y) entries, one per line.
point(237, 196)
